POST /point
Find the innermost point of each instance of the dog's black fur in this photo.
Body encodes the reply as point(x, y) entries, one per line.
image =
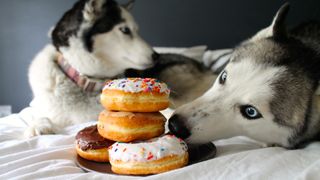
point(70, 23)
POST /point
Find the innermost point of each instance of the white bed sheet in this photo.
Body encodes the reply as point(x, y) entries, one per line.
point(53, 157)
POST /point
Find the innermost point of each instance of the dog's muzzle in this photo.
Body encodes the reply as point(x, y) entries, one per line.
point(177, 127)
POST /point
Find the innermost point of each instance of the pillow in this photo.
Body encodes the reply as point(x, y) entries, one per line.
point(195, 52)
point(215, 60)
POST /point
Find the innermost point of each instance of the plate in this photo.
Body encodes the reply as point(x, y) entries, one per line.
point(196, 155)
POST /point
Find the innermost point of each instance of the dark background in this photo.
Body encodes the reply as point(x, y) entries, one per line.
point(24, 25)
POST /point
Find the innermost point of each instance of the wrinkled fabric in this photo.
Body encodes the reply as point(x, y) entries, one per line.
point(54, 157)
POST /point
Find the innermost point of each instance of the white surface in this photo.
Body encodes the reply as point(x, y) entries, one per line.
point(53, 157)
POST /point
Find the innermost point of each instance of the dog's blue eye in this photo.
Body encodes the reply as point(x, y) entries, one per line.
point(125, 30)
point(250, 112)
point(223, 77)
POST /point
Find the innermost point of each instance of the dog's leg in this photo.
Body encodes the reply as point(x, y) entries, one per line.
point(38, 127)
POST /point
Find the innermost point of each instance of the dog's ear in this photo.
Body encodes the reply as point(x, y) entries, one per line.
point(278, 27)
point(279, 22)
point(93, 9)
point(129, 5)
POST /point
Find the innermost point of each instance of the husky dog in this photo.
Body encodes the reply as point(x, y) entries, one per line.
point(266, 92)
point(95, 41)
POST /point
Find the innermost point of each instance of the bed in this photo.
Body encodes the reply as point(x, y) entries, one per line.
point(54, 156)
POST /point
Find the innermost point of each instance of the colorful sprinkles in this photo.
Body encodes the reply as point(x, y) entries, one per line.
point(136, 85)
point(150, 156)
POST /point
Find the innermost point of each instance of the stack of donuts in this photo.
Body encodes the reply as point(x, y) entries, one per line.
point(129, 133)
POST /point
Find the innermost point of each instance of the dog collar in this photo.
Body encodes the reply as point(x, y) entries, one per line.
point(84, 82)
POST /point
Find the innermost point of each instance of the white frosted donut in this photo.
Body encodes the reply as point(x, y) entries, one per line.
point(149, 157)
point(135, 95)
point(136, 85)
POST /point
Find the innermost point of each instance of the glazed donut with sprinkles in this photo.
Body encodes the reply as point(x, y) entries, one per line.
point(135, 95)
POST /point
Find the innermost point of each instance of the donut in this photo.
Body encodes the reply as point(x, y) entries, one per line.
point(91, 146)
point(150, 157)
point(128, 126)
point(135, 95)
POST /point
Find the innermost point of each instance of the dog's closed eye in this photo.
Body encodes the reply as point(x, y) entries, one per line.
point(125, 30)
point(250, 112)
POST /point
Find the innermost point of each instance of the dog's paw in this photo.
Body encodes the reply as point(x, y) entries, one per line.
point(43, 126)
point(31, 132)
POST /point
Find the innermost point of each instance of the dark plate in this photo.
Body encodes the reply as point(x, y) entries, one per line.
point(202, 153)
point(196, 155)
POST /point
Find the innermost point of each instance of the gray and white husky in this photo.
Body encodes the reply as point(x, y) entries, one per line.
point(266, 92)
point(95, 41)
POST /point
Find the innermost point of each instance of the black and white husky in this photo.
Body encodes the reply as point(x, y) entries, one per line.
point(266, 92)
point(95, 41)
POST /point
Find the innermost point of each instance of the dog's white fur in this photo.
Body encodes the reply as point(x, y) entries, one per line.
point(58, 101)
point(216, 115)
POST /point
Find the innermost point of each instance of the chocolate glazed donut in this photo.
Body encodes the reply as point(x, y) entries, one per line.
point(91, 146)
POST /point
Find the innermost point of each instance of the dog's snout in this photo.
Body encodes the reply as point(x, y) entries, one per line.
point(155, 56)
point(177, 127)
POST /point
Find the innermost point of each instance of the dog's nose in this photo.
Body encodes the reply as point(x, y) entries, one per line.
point(155, 56)
point(177, 127)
